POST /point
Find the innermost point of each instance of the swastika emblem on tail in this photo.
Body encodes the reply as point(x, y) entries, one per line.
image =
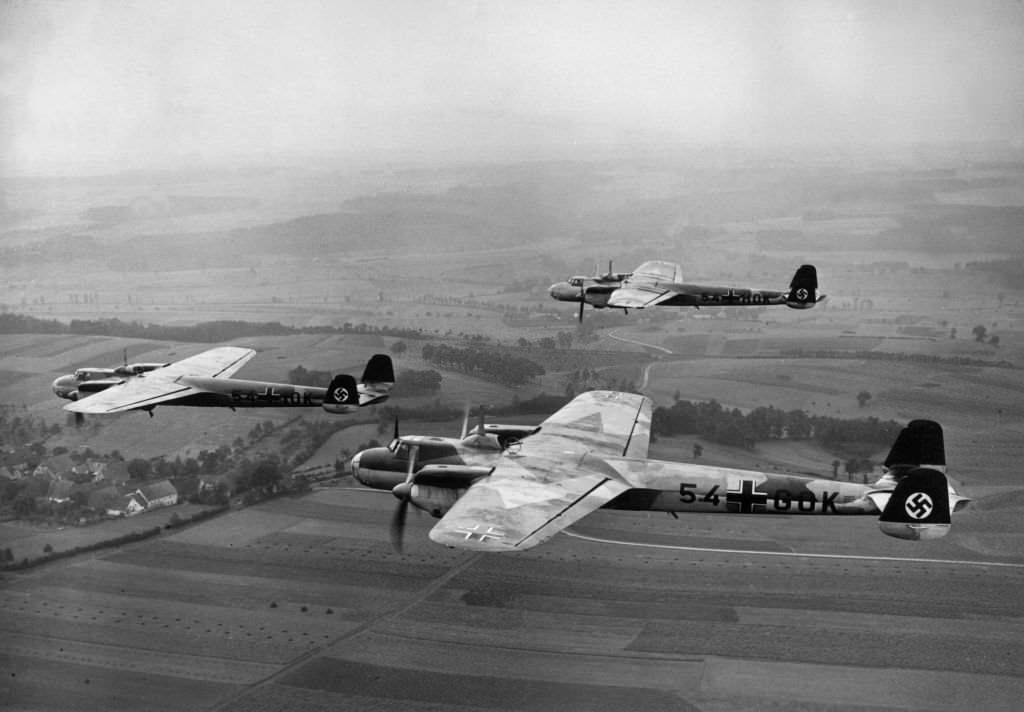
point(801, 294)
point(341, 394)
point(919, 505)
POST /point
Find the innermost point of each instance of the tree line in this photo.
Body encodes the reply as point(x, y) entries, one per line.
point(894, 356)
point(490, 364)
point(711, 420)
point(203, 332)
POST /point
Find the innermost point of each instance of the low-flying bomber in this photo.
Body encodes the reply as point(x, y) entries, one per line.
point(592, 453)
point(204, 380)
point(659, 283)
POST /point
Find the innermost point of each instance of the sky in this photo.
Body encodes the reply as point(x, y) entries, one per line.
point(116, 84)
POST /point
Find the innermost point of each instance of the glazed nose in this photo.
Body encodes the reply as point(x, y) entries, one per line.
point(355, 466)
point(58, 386)
point(562, 291)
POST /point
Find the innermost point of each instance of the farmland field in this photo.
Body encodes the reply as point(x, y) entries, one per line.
point(300, 602)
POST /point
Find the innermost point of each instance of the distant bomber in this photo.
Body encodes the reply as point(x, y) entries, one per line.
point(204, 381)
point(658, 283)
point(513, 487)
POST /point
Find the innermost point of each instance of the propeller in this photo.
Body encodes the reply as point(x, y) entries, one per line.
point(403, 492)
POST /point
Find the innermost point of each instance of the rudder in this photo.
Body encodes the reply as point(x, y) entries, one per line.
point(803, 290)
point(918, 507)
point(379, 370)
point(342, 395)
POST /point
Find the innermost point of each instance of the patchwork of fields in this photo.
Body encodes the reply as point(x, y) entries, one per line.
point(301, 602)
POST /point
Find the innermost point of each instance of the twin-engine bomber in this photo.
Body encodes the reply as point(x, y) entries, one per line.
point(506, 495)
point(204, 380)
point(660, 283)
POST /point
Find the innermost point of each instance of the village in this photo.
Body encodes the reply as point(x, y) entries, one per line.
point(48, 488)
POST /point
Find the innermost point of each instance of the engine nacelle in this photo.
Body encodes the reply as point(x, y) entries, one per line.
point(90, 387)
point(137, 369)
point(435, 501)
point(457, 477)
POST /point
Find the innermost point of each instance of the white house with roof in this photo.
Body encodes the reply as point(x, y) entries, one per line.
point(158, 494)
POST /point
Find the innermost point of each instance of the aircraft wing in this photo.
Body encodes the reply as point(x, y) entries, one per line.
point(162, 385)
point(556, 477)
point(647, 285)
point(638, 297)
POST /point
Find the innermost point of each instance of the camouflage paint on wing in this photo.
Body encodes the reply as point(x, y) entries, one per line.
point(556, 477)
point(598, 422)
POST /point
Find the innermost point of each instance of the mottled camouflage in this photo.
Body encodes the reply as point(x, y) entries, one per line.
point(592, 454)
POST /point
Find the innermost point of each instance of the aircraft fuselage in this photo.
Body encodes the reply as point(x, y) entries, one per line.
point(747, 493)
point(236, 393)
point(657, 485)
point(693, 295)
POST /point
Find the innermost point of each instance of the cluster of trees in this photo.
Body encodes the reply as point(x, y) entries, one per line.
point(301, 376)
point(490, 364)
point(710, 420)
point(589, 379)
point(1010, 272)
point(17, 430)
point(982, 336)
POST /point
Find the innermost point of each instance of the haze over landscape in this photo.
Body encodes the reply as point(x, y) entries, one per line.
point(102, 86)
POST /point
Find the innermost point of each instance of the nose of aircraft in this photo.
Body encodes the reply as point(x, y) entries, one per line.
point(63, 386)
point(564, 292)
point(378, 468)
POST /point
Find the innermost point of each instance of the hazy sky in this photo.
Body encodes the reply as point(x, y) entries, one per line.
point(134, 84)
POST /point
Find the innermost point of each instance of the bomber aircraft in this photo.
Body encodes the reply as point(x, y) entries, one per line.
point(592, 453)
point(205, 380)
point(660, 283)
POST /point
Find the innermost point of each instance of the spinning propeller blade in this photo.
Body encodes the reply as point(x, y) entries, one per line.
point(404, 493)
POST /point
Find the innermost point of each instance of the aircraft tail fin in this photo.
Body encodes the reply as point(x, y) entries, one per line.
point(920, 503)
point(918, 507)
point(342, 395)
point(919, 444)
point(803, 290)
point(379, 373)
